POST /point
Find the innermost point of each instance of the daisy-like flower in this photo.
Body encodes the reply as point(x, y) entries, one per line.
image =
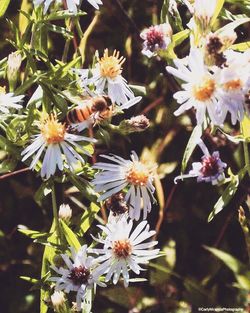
point(9, 101)
point(209, 170)
point(71, 4)
point(107, 78)
point(123, 249)
point(200, 89)
point(234, 81)
point(77, 275)
point(58, 145)
point(132, 175)
point(156, 38)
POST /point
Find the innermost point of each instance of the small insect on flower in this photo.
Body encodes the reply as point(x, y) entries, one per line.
point(8, 101)
point(117, 204)
point(91, 112)
point(77, 275)
point(107, 78)
point(123, 249)
point(156, 38)
point(59, 147)
point(133, 175)
point(209, 170)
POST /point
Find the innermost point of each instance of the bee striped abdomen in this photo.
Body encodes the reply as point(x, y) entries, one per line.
point(78, 115)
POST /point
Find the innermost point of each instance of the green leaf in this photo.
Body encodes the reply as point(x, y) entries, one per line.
point(219, 6)
point(70, 236)
point(195, 136)
point(83, 186)
point(239, 269)
point(179, 37)
point(62, 15)
point(88, 218)
point(243, 46)
point(48, 257)
point(228, 194)
point(164, 12)
point(3, 6)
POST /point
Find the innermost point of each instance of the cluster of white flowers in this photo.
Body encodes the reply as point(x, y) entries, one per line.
point(214, 79)
point(122, 249)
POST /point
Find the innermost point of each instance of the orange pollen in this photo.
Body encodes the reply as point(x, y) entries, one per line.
point(52, 130)
point(204, 91)
point(138, 174)
point(111, 66)
point(232, 85)
point(122, 248)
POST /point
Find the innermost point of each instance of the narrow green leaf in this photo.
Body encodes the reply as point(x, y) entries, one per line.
point(3, 6)
point(219, 6)
point(228, 194)
point(48, 257)
point(195, 136)
point(70, 236)
point(88, 218)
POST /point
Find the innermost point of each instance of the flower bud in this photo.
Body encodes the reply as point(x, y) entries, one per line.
point(58, 302)
point(203, 13)
point(65, 212)
point(13, 66)
point(135, 124)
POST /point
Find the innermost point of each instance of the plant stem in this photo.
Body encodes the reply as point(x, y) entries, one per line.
point(246, 153)
point(55, 213)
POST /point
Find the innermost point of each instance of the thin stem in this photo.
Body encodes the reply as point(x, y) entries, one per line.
point(55, 213)
point(246, 156)
point(246, 152)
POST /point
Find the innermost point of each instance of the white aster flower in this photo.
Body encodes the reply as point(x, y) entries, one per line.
point(107, 78)
point(58, 145)
point(77, 275)
point(123, 249)
point(200, 89)
point(133, 175)
point(234, 81)
point(9, 101)
point(209, 170)
point(156, 38)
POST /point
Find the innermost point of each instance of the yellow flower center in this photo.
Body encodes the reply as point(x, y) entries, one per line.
point(52, 130)
point(205, 90)
point(138, 174)
point(2, 90)
point(232, 85)
point(111, 66)
point(122, 248)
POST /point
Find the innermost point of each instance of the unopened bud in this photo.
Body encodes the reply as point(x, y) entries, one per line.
point(13, 66)
point(135, 124)
point(58, 302)
point(65, 212)
point(203, 13)
point(58, 261)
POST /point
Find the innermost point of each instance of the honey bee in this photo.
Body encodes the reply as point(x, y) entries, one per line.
point(95, 109)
